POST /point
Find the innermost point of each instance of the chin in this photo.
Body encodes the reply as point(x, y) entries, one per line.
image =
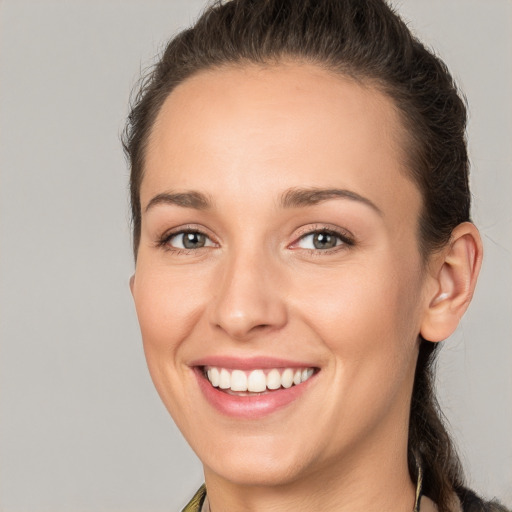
point(252, 460)
point(266, 472)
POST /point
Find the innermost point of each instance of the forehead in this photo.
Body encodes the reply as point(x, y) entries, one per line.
point(283, 125)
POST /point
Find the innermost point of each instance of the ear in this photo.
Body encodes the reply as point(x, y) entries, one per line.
point(132, 283)
point(453, 275)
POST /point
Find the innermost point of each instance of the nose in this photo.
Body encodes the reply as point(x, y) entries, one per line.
point(250, 298)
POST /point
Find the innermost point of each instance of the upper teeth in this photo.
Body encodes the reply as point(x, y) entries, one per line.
point(257, 381)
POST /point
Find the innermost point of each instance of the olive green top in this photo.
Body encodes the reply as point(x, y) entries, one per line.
point(195, 504)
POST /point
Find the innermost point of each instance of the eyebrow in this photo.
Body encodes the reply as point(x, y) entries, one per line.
point(292, 198)
point(195, 200)
point(297, 197)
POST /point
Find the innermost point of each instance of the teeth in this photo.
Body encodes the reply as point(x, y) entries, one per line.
point(273, 379)
point(213, 376)
point(224, 379)
point(257, 381)
point(287, 378)
point(238, 381)
point(306, 374)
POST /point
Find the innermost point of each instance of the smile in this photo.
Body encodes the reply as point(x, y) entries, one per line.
point(252, 388)
point(256, 381)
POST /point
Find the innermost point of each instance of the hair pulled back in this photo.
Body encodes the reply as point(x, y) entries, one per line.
point(366, 40)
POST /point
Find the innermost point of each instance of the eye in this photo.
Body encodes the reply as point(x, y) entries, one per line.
point(188, 240)
point(322, 240)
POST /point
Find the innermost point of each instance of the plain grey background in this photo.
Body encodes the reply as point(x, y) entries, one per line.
point(81, 427)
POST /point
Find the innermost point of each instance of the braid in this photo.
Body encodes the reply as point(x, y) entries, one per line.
point(429, 443)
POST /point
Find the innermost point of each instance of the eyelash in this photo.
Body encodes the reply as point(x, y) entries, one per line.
point(163, 241)
point(343, 236)
point(346, 239)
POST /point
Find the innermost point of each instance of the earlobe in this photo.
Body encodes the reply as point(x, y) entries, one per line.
point(132, 282)
point(453, 282)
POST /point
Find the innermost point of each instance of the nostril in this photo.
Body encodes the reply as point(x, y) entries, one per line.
point(241, 331)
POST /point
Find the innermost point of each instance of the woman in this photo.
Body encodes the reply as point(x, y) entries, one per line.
point(300, 200)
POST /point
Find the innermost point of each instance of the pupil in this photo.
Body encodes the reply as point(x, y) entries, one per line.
point(324, 241)
point(193, 240)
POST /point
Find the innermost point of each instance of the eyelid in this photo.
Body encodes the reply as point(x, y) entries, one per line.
point(345, 236)
point(163, 240)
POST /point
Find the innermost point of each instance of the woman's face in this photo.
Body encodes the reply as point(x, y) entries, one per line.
point(279, 250)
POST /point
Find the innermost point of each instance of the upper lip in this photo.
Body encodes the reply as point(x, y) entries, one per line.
point(250, 363)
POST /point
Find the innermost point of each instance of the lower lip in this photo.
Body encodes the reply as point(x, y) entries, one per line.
point(252, 406)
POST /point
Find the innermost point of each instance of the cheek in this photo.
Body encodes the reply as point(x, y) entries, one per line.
point(168, 305)
point(366, 314)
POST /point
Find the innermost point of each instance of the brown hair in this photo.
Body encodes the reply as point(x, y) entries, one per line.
point(366, 40)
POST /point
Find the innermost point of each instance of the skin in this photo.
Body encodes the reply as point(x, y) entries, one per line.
point(243, 137)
